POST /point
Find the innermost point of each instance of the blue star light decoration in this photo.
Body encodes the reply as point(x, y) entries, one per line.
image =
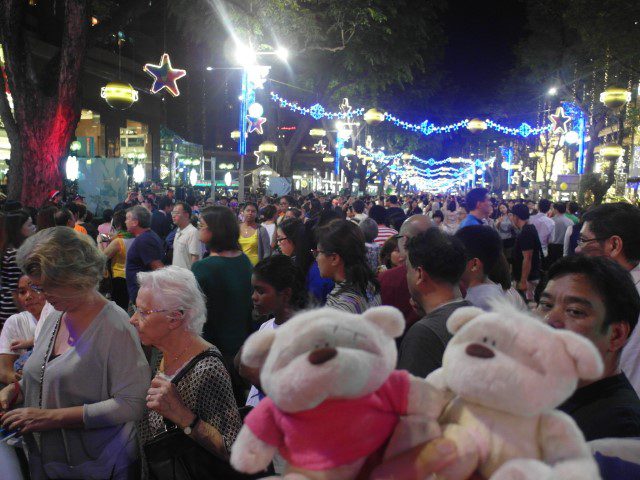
point(255, 124)
point(164, 75)
point(560, 121)
point(317, 111)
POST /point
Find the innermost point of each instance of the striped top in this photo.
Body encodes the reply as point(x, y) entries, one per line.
point(9, 276)
point(347, 298)
point(384, 233)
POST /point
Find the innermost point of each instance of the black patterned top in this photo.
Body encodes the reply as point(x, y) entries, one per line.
point(9, 275)
point(206, 391)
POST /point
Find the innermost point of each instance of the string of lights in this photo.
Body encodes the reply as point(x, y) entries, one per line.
point(426, 128)
point(316, 111)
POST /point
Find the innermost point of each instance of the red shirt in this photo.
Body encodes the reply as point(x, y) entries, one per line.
point(338, 431)
point(394, 291)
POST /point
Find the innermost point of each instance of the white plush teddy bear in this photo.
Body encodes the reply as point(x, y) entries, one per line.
point(509, 371)
point(333, 397)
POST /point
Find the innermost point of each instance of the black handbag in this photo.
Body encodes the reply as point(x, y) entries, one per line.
point(173, 455)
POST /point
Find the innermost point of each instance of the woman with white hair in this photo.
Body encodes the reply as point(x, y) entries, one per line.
point(192, 389)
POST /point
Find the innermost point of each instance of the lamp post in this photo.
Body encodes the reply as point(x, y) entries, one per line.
point(253, 77)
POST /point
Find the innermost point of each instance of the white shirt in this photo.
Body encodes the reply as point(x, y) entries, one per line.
point(20, 326)
point(481, 295)
point(185, 244)
point(545, 228)
point(254, 395)
point(630, 357)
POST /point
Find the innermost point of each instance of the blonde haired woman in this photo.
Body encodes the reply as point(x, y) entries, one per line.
point(170, 314)
point(83, 386)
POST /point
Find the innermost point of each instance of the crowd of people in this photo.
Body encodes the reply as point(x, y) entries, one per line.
point(117, 328)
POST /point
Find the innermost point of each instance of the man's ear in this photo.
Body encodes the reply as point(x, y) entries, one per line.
point(620, 332)
point(616, 245)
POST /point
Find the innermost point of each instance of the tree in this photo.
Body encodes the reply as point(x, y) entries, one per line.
point(341, 48)
point(582, 47)
point(46, 100)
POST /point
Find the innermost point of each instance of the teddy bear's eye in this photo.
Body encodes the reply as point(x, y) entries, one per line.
point(484, 339)
point(493, 343)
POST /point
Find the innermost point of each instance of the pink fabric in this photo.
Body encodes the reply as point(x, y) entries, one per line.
point(336, 432)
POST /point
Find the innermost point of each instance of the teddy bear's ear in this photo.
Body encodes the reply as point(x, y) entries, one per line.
point(462, 316)
point(388, 319)
point(256, 348)
point(584, 353)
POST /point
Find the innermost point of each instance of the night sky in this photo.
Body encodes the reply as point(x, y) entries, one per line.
point(479, 55)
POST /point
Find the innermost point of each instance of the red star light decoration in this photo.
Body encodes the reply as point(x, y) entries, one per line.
point(164, 76)
point(255, 124)
point(560, 121)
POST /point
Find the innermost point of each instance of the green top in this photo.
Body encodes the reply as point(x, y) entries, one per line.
point(226, 282)
point(572, 217)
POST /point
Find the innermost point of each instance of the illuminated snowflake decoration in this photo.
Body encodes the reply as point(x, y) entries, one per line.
point(317, 111)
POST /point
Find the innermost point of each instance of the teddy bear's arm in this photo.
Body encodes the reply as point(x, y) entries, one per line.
point(563, 446)
point(249, 454)
point(426, 399)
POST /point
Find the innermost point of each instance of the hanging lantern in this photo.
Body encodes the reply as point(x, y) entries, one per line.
point(373, 116)
point(476, 125)
point(268, 147)
point(138, 173)
point(611, 151)
point(317, 132)
point(327, 159)
point(614, 97)
point(118, 95)
point(75, 146)
point(235, 135)
point(72, 168)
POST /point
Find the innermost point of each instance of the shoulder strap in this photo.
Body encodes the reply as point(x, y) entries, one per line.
point(192, 363)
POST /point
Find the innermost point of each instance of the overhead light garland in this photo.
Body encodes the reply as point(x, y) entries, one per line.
point(426, 128)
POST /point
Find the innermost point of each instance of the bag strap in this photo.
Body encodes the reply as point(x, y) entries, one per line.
point(187, 368)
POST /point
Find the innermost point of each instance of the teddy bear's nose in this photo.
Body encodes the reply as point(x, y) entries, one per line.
point(480, 351)
point(322, 355)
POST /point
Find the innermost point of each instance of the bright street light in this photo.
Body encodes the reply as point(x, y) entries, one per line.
point(283, 54)
point(209, 69)
point(245, 56)
point(553, 91)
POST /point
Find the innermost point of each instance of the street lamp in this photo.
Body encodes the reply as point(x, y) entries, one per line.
point(553, 91)
point(253, 77)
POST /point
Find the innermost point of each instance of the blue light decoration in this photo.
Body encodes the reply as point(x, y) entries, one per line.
point(253, 77)
point(316, 111)
point(507, 154)
point(579, 118)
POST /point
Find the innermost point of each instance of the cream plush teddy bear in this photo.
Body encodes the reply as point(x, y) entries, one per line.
point(333, 397)
point(508, 371)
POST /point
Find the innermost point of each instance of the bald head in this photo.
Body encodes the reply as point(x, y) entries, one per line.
point(412, 226)
point(415, 225)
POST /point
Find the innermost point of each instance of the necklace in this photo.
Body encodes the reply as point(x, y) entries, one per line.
point(163, 364)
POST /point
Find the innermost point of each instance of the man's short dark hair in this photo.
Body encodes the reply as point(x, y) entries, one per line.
point(613, 283)
point(164, 203)
point(561, 207)
point(393, 199)
point(439, 254)
point(358, 206)
point(481, 242)
point(379, 214)
point(62, 217)
point(620, 219)
point(521, 211)
point(185, 207)
point(475, 196)
point(544, 205)
point(573, 207)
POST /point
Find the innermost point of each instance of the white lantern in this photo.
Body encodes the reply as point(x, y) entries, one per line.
point(255, 110)
point(227, 179)
point(571, 137)
point(138, 173)
point(72, 168)
point(193, 176)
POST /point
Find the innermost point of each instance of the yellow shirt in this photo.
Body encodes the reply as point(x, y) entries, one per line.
point(249, 246)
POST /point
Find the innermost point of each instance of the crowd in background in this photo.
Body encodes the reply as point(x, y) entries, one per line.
point(190, 278)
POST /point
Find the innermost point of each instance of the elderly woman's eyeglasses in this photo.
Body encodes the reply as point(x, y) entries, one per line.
point(145, 313)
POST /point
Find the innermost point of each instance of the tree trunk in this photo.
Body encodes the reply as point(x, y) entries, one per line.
point(285, 163)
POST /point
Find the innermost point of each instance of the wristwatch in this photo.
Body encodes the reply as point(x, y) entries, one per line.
point(189, 428)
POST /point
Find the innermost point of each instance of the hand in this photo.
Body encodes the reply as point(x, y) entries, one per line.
point(21, 344)
point(163, 397)
point(29, 420)
point(419, 462)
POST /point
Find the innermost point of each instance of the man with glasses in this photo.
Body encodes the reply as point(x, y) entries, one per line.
point(187, 248)
point(613, 230)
